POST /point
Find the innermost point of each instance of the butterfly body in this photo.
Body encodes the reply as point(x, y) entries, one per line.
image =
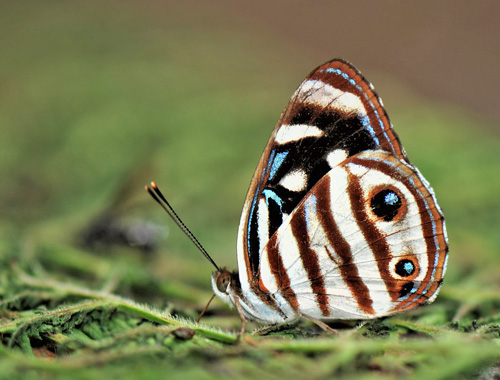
point(337, 223)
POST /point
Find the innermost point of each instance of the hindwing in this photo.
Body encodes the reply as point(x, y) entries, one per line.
point(367, 240)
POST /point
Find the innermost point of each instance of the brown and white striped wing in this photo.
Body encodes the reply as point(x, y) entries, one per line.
point(367, 240)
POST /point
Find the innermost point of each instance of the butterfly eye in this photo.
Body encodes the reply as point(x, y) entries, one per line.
point(386, 204)
point(223, 281)
point(405, 268)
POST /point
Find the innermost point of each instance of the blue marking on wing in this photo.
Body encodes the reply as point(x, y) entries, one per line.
point(269, 163)
point(365, 120)
point(310, 208)
point(391, 199)
point(409, 267)
point(403, 298)
point(276, 163)
point(413, 290)
point(250, 217)
point(268, 193)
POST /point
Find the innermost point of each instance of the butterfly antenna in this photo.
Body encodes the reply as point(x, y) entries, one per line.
point(155, 192)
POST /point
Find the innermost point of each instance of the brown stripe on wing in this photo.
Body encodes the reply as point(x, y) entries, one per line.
point(347, 268)
point(430, 216)
point(260, 290)
point(279, 271)
point(372, 235)
point(310, 260)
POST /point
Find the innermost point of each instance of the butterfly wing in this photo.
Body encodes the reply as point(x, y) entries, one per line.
point(367, 240)
point(334, 114)
point(337, 223)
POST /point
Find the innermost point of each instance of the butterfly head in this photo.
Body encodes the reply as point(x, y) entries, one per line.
point(224, 282)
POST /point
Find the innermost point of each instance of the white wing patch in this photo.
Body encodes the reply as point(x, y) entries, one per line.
point(295, 181)
point(295, 132)
point(335, 157)
point(318, 92)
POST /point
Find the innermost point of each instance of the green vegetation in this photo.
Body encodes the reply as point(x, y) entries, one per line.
point(96, 100)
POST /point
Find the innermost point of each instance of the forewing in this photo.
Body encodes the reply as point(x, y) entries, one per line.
point(334, 114)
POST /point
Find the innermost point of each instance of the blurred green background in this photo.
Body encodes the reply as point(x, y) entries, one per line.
point(99, 98)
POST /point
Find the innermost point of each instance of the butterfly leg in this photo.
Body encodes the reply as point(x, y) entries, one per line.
point(321, 324)
point(241, 334)
point(205, 309)
point(242, 317)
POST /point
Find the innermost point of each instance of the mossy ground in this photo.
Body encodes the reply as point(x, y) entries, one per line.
point(97, 103)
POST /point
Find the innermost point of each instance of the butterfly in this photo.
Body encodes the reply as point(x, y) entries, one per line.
point(337, 223)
